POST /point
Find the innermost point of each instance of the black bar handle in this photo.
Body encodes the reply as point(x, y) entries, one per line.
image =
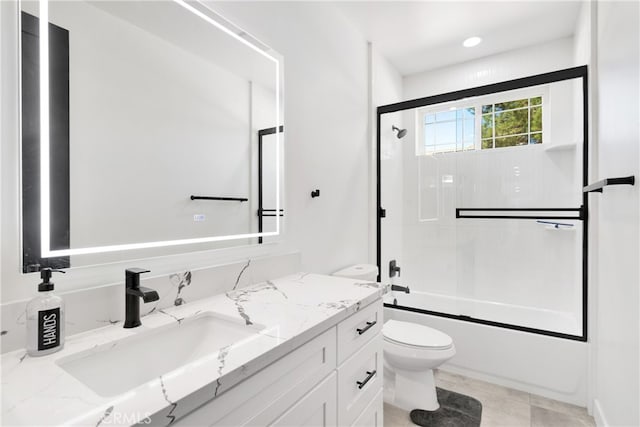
point(579, 216)
point(597, 187)
point(226, 199)
point(366, 328)
point(315, 193)
point(370, 374)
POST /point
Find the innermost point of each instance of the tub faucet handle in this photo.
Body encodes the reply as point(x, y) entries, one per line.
point(394, 268)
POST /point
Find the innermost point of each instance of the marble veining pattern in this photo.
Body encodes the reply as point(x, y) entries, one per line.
point(172, 405)
point(235, 286)
point(89, 310)
point(291, 310)
point(181, 280)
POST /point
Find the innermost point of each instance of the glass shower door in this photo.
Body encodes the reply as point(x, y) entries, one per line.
point(483, 203)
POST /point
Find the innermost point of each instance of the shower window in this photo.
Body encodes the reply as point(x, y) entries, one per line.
point(512, 123)
point(449, 130)
point(504, 120)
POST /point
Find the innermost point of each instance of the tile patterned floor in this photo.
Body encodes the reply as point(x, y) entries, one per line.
point(502, 407)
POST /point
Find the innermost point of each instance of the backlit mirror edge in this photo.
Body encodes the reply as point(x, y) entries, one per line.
point(45, 154)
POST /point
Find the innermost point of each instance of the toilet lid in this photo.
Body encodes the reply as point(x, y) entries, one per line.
point(416, 335)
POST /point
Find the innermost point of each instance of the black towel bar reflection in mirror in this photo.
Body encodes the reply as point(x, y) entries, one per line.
point(598, 186)
point(225, 199)
point(269, 212)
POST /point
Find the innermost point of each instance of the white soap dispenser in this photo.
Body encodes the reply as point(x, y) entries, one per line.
point(45, 319)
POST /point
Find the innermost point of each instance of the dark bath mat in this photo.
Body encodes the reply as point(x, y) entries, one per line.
point(456, 410)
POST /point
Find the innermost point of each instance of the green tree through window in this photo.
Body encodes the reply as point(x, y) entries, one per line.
point(512, 123)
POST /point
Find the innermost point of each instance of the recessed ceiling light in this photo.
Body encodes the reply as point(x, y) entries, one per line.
point(471, 42)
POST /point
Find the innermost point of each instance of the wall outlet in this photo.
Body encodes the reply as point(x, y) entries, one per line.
point(199, 217)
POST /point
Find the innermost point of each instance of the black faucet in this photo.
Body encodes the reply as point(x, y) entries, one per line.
point(404, 289)
point(132, 294)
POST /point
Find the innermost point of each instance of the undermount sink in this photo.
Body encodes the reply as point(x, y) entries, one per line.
point(122, 365)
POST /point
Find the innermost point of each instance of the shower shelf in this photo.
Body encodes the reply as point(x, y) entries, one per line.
point(224, 199)
point(561, 147)
point(556, 226)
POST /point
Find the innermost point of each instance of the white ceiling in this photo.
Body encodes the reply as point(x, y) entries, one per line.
point(422, 35)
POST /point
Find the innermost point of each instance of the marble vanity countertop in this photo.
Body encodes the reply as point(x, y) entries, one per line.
point(290, 310)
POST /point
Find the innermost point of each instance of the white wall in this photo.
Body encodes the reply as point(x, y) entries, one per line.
point(584, 48)
point(326, 111)
point(3, 133)
point(582, 45)
point(524, 62)
point(617, 291)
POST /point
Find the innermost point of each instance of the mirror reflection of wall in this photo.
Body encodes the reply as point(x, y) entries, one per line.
point(153, 115)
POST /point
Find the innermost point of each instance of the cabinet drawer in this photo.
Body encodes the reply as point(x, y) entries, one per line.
point(317, 409)
point(359, 380)
point(356, 330)
point(372, 416)
point(263, 397)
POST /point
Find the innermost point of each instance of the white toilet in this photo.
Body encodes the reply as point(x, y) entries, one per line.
point(411, 352)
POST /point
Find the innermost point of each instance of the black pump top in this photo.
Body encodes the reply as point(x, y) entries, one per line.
point(45, 274)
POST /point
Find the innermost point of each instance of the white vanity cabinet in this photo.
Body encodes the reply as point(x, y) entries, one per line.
point(316, 408)
point(335, 379)
point(360, 364)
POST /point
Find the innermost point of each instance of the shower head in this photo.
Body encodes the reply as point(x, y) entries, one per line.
point(401, 132)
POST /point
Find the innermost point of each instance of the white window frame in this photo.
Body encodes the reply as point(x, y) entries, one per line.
point(477, 103)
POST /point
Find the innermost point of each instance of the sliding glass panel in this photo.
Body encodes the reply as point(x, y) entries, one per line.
point(483, 207)
point(521, 272)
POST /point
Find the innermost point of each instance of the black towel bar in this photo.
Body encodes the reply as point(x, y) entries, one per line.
point(226, 199)
point(598, 186)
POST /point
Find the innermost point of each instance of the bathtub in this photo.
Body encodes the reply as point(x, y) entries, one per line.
point(562, 322)
point(548, 366)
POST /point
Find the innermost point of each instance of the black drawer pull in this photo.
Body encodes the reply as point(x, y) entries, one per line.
point(366, 328)
point(370, 374)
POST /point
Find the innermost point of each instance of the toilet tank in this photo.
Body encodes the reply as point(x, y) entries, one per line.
point(366, 272)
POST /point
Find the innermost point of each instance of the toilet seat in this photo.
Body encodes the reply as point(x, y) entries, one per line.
point(410, 334)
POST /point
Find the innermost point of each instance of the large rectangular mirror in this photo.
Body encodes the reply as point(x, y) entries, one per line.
point(141, 131)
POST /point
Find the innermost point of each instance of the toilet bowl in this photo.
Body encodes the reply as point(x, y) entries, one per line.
point(411, 352)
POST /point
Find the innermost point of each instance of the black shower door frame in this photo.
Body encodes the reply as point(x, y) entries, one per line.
point(582, 213)
point(261, 211)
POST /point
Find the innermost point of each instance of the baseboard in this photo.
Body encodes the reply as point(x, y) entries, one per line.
point(598, 414)
point(516, 385)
